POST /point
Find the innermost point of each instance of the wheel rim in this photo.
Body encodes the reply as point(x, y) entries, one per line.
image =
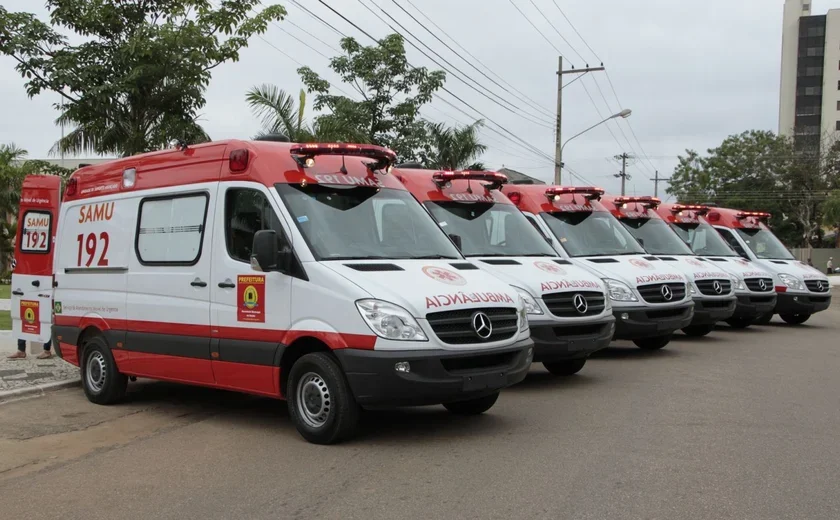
point(314, 401)
point(96, 371)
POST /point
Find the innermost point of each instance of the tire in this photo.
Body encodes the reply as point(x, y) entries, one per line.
point(739, 323)
point(698, 331)
point(473, 406)
point(332, 414)
point(653, 343)
point(101, 380)
point(565, 368)
point(795, 319)
point(763, 320)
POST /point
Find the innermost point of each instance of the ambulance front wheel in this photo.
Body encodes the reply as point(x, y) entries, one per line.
point(568, 367)
point(320, 401)
point(764, 320)
point(473, 406)
point(102, 382)
point(739, 323)
point(697, 331)
point(795, 319)
point(654, 343)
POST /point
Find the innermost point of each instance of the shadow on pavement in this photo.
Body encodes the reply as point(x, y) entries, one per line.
point(541, 380)
point(633, 352)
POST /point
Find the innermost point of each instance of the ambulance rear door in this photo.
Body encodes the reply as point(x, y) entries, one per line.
point(32, 280)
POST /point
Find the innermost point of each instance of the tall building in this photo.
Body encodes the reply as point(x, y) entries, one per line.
point(809, 99)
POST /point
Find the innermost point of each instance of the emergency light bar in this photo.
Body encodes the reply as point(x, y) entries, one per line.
point(756, 214)
point(591, 192)
point(647, 201)
point(305, 154)
point(698, 208)
point(496, 179)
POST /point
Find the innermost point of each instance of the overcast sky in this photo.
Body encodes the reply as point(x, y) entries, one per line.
point(692, 71)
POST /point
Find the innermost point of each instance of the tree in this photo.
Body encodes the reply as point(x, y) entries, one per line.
point(138, 78)
point(831, 215)
point(453, 148)
point(392, 93)
point(279, 113)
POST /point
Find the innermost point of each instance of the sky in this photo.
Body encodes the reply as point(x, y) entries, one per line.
point(692, 71)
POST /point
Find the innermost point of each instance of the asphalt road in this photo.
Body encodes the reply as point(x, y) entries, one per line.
point(741, 424)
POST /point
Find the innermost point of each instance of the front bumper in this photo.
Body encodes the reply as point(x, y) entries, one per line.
point(436, 376)
point(555, 342)
point(651, 322)
point(795, 303)
point(709, 312)
point(754, 305)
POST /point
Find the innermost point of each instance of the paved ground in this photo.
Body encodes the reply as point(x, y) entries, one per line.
point(740, 425)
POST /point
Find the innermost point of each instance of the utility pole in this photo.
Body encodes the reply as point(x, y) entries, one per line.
point(558, 142)
point(656, 180)
point(623, 175)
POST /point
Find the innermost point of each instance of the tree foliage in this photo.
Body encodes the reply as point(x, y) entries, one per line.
point(279, 113)
point(453, 148)
point(392, 93)
point(138, 78)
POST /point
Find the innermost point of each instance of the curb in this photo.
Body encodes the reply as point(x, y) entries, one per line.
point(37, 389)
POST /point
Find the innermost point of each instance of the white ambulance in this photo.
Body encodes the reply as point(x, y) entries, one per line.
point(650, 298)
point(801, 290)
point(711, 288)
point(568, 313)
point(753, 285)
point(280, 270)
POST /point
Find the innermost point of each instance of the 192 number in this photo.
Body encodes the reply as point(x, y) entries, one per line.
point(35, 241)
point(89, 244)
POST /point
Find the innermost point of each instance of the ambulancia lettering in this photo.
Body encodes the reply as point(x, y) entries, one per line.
point(634, 214)
point(750, 274)
point(658, 278)
point(573, 207)
point(555, 285)
point(460, 298)
point(372, 182)
point(471, 197)
point(96, 212)
point(699, 276)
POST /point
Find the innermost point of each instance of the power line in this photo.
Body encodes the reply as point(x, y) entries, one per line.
point(558, 32)
point(535, 27)
point(576, 31)
point(293, 24)
point(324, 22)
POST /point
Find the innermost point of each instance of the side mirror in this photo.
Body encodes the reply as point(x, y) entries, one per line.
point(548, 239)
point(270, 253)
point(456, 239)
point(641, 241)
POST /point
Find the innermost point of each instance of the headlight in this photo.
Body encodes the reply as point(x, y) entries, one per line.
point(792, 282)
point(619, 291)
point(523, 315)
point(530, 303)
point(691, 289)
point(738, 284)
point(390, 321)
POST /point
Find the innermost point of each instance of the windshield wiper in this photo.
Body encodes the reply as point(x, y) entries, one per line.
point(371, 257)
point(429, 257)
point(539, 254)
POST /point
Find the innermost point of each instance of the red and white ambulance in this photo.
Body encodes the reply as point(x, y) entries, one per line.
point(303, 272)
point(650, 298)
point(711, 288)
point(753, 285)
point(801, 290)
point(569, 315)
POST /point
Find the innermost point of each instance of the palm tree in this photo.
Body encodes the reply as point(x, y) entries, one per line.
point(279, 113)
point(454, 148)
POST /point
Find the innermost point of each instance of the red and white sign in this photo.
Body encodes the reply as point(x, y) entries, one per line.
point(36, 232)
point(642, 264)
point(549, 267)
point(250, 298)
point(30, 316)
point(444, 275)
point(694, 262)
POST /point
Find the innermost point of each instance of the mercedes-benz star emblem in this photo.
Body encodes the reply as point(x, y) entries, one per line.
point(762, 285)
point(667, 294)
point(820, 286)
point(580, 304)
point(482, 325)
point(717, 287)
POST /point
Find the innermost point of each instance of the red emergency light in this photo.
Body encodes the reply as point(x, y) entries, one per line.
point(755, 214)
point(496, 179)
point(697, 208)
point(515, 197)
point(71, 187)
point(305, 154)
point(590, 192)
point(646, 201)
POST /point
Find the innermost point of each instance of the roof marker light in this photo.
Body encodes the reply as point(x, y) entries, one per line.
point(697, 208)
point(71, 187)
point(305, 154)
point(496, 179)
point(129, 177)
point(756, 214)
point(238, 160)
point(647, 201)
point(591, 192)
point(515, 197)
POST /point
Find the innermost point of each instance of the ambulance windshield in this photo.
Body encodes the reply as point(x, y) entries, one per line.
point(764, 244)
point(591, 233)
point(490, 229)
point(359, 223)
point(703, 239)
point(656, 237)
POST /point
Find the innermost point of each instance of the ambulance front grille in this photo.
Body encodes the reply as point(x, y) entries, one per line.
point(653, 293)
point(754, 284)
point(563, 304)
point(707, 287)
point(456, 327)
point(817, 285)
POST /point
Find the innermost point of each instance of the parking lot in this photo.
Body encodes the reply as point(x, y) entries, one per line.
point(740, 424)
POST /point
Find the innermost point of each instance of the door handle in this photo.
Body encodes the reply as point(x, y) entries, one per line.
point(36, 283)
point(17, 292)
point(198, 283)
point(227, 284)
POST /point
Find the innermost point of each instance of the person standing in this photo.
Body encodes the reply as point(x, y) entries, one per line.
point(829, 266)
point(21, 353)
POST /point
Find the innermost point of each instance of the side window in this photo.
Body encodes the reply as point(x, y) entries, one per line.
point(246, 212)
point(35, 235)
point(533, 222)
point(732, 241)
point(170, 230)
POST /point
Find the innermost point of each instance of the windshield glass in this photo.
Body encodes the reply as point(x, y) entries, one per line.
point(656, 237)
point(356, 222)
point(703, 239)
point(490, 229)
point(595, 233)
point(765, 244)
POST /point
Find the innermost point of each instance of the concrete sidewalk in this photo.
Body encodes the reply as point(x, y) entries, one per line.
point(23, 377)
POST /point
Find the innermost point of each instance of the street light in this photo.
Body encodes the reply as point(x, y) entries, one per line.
point(624, 114)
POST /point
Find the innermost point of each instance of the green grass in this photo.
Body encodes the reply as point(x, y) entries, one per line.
point(5, 292)
point(5, 320)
